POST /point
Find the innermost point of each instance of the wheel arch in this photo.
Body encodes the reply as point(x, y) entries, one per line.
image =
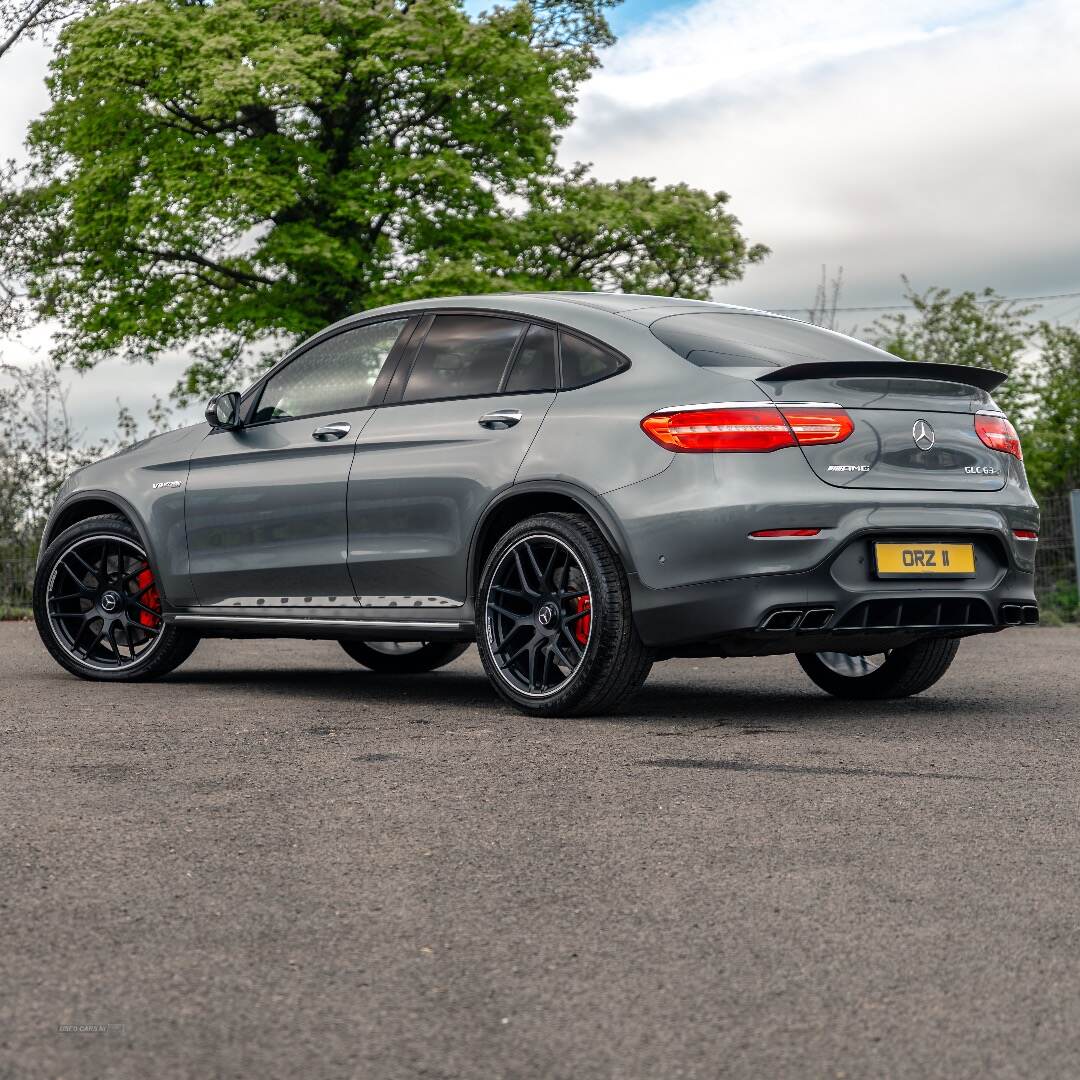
point(537, 497)
point(89, 504)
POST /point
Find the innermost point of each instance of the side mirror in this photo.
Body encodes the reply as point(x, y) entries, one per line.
point(223, 411)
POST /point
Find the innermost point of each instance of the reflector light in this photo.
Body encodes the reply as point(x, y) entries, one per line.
point(997, 433)
point(785, 532)
point(1025, 534)
point(755, 429)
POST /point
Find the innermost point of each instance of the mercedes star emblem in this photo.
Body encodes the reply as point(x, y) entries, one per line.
point(923, 434)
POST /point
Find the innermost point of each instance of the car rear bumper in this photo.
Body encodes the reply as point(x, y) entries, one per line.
point(838, 605)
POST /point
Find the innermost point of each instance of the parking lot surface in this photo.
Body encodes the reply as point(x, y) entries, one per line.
point(275, 864)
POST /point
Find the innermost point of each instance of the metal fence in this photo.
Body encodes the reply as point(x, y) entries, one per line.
point(1055, 566)
point(16, 575)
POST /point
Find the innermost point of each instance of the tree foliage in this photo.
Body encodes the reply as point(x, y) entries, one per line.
point(978, 329)
point(20, 19)
point(214, 175)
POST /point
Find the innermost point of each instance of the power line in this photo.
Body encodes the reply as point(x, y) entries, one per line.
point(911, 307)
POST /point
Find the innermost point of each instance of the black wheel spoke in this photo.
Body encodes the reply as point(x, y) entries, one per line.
point(87, 568)
point(535, 565)
point(512, 615)
point(68, 596)
point(86, 621)
point(545, 672)
point(572, 641)
point(520, 594)
point(529, 590)
point(563, 658)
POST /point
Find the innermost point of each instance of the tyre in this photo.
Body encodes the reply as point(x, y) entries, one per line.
point(895, 674)
point(404, 657)
point(98, 606)
point(554, 624)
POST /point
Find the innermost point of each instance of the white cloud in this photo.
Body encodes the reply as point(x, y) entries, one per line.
point(933, 139)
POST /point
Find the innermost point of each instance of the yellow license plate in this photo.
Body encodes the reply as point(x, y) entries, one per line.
point(924, 560)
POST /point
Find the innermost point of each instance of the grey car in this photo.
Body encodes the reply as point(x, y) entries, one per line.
point(583, 484)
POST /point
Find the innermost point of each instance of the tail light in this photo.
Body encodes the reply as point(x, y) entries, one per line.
point(755, 429)
point(997, 433)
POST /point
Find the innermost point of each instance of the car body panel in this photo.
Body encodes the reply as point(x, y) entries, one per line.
point(422, 475)
point(266, 519)
point(127, 481)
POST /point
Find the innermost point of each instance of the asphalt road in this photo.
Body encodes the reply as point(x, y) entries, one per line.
point(272, 864)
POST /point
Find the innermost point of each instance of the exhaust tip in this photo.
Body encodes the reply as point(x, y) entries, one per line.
point(782, 620)
point(1012, 614)
point(817, 618)
point(1031, 614)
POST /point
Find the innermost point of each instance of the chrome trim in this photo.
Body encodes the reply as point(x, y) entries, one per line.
point(379, 624)
point(279, 603)
point(991, 412)
point(760, 403)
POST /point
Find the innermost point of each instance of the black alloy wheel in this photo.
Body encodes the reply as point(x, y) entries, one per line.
point(538, 615)
point(555, 629)
point(98, 605)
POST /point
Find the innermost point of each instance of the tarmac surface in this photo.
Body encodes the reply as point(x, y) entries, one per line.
point(275, 864)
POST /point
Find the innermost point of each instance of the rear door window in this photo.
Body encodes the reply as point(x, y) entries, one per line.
point(534, 365)
point(462, 356)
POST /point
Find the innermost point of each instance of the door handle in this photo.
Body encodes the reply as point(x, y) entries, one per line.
point(330, 432)
point(503, 418)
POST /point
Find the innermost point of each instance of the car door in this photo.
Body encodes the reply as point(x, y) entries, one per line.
point(465, 404)
point(265, 505)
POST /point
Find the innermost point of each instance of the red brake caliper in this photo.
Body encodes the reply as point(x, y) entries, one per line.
point(151, 598)
point(581, 626)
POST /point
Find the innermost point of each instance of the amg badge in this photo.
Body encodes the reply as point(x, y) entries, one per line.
point(849, 468)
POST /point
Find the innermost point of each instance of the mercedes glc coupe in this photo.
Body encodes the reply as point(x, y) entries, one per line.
point(581, 484)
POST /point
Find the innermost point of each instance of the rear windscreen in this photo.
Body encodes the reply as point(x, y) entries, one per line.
point(721, 339)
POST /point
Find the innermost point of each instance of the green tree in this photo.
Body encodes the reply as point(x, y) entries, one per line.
point(978, 329)
point(1052, 436)
point(225, 176)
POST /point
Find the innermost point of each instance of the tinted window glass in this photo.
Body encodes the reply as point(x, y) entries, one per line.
point(333, 376)
point(534, 367)
point(462, 356)
point(584, 363)
point(729, 339)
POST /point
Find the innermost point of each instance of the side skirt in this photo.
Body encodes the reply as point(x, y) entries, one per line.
point(307, 626)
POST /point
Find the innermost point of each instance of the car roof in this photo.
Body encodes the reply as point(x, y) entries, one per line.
point(641, 308)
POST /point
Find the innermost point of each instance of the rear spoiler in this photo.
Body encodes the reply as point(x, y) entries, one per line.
point(983, 378)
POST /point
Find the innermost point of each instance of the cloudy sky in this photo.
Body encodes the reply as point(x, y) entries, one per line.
point(937, 139)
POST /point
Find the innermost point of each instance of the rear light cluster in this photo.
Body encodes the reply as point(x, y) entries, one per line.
point(997, 433)
point(755, 429)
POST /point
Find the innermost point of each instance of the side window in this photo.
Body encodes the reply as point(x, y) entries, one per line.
point(534, 367)
point(333, 376)
point(584, 363)
point(462, 356)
